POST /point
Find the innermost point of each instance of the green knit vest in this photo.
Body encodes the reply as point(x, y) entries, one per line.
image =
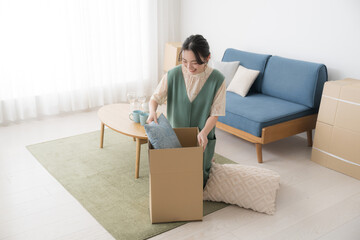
point(183, 113)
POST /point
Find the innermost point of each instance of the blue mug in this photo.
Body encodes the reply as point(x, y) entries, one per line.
point(143, 117)
point(135, 116)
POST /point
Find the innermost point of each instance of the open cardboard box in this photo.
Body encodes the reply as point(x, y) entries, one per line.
point(176, 180)
point(337, 132)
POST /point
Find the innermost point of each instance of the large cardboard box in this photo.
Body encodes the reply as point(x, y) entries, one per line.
point(171, 57)
point(176, 180)
point(337, 132)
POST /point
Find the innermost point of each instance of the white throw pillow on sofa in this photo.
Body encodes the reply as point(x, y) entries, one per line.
point(228, 69)
point(246, 186)
point(242, 81)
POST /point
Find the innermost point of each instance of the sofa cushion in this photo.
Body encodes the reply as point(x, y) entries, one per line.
point(249, 60)
point(242, 81)
point(256, 111)
point(228, 69)
point(246, 186)
point(294, 80)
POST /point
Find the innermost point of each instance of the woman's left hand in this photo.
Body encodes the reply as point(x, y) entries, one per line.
point(202, 139)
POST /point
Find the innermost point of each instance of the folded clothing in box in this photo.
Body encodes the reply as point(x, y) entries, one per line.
point(161, 134)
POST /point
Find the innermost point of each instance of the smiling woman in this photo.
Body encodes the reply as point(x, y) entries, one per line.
point(195, 95)
point(62, 56)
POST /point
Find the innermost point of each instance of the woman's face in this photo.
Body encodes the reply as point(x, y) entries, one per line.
point(189, 62)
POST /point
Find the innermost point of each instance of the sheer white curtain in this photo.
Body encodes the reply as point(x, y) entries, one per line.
point(68, 55)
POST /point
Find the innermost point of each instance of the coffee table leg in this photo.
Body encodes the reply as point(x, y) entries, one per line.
point(102, 135)
point(138, 149)
point(137, 164)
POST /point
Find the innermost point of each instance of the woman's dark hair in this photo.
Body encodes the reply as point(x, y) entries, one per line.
point(198, 45)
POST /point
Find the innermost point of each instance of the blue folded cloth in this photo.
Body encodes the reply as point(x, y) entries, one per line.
point(162, 135)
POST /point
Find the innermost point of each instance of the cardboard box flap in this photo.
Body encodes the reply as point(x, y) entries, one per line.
point(187, 136)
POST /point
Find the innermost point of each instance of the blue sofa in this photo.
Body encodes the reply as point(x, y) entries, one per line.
point(283, 101)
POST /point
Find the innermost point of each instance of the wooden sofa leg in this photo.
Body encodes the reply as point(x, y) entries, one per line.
point(309, 137)
point(259, 152)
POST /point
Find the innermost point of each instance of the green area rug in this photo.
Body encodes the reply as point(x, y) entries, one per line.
point(103, 181)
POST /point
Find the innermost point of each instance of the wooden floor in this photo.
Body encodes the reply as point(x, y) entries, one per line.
point(313, 202)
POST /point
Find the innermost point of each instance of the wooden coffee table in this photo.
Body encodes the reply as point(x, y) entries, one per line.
point(116, 117)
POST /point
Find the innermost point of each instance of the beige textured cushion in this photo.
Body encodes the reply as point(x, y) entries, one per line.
point(245, 186)
point(242, 81)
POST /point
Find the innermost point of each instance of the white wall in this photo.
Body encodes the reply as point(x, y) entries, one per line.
point(324, 31)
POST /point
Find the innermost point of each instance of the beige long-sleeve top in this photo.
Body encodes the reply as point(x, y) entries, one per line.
point(193, 84)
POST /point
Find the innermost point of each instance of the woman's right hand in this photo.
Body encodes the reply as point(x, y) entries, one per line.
point(152, 117)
